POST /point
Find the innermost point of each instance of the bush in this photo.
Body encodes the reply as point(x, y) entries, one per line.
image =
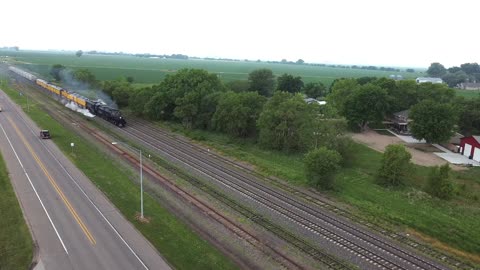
point(395, 166)
point(439, 183)
point(320, 166)
point(343, 145)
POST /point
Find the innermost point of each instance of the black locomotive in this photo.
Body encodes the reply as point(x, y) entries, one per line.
point(100, 109)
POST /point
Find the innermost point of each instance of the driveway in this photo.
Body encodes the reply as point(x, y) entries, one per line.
point(378, 142)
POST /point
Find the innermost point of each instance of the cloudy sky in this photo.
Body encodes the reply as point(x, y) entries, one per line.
point(406, 33)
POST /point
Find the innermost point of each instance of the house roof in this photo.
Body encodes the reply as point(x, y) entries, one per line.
point(429, 79)
point(471, 84)
point(456, 138)
point(312, 100)
point(402, 113)
point(476, 137)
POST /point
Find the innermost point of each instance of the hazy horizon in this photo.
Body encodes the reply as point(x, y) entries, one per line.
point(345, 32)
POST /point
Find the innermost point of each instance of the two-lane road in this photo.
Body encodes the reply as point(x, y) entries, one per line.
point(74, 225)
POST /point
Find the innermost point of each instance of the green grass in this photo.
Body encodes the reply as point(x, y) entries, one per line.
point(455, 222)
point(468, 93)
point(16, 245)
point(152, 71)
point(181, 247)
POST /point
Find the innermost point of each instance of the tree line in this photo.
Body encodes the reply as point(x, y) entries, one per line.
point(453, 76)
point(434, 108)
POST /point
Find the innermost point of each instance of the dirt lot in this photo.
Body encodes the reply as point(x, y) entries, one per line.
point(378, 142)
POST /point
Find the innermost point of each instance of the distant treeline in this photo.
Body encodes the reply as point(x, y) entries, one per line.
point(147, 55)
point(455, 76)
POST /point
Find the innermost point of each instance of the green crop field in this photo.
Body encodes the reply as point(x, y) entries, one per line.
point(153, 70)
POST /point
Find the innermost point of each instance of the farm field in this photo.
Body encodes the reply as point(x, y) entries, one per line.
point(153, 70)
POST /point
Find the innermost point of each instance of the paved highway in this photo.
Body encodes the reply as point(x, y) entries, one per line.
point(73, 224)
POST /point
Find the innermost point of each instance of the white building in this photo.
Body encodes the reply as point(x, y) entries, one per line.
point(428, 79)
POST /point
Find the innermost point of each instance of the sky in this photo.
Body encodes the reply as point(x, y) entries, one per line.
point(407, 33)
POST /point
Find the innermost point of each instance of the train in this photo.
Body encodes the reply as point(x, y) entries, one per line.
point(95, 107)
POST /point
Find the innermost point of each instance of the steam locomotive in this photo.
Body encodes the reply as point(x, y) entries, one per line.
point(95, 107)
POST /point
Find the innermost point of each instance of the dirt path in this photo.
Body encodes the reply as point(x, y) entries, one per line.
point(378, 142)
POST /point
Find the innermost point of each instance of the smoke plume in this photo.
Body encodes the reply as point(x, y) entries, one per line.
point(72, 106)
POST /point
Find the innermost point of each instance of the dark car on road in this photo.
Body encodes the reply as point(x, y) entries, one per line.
point(44, 134)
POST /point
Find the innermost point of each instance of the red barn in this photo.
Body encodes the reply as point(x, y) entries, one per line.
point(470, 147)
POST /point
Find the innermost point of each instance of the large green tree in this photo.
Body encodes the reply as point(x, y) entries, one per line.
point(473, 71)
point(160, 105)
point(469, 116)
point(367, 104)
point(395, 166)
point(139, 98)
point(285, 121)
point(455, 78)
point(320, 167)
point(237, 113)
point(403, 96)
point(120, 91)
point(262, 81)
point(183, 96)
point(56, 71)
point(315, 90)
point(329, 133)
point(470, 68)
point(340, 92)
point(436, 70)
point(238, 86)
point(289, 83)
point(84, 78)
point(207, 109)
point(437, 92)
point(432, 121)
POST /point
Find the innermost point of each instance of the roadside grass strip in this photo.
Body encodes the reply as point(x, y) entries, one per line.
point(16, 246)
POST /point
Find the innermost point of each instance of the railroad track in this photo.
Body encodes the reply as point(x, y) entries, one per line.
point(328, 260)
point(314, 200)
point(402, 258)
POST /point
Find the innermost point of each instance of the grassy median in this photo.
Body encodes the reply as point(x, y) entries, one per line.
point(181, 246)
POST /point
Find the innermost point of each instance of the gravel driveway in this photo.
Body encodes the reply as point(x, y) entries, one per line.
point(378, 142)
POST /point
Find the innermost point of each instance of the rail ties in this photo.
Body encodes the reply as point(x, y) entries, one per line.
point(326, 205)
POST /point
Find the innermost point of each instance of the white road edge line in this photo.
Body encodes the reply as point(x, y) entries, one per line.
point(98, 210)
point(35, 190)
point(84, 193)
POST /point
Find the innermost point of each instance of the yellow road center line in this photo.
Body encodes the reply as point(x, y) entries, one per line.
point(55, 186)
